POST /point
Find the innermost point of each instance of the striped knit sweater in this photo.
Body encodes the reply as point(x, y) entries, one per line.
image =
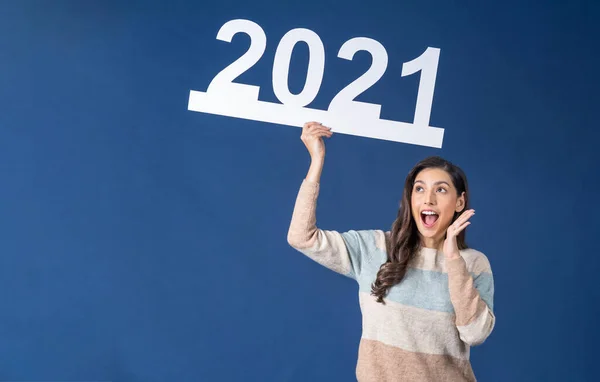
point(430, 319)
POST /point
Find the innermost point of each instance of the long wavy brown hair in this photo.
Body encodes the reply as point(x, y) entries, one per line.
point(404, 239)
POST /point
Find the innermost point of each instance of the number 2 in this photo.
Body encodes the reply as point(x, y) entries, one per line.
point(222, 83)
point(345, 98)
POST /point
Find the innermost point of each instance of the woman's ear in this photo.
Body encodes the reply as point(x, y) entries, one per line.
point(460, 202)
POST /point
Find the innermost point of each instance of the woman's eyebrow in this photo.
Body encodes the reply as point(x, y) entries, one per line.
point(435, 184)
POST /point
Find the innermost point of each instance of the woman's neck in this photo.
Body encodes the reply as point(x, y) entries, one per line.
point(432, 243)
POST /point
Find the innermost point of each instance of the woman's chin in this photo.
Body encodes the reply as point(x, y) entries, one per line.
point(428, 233)
point(432, 233)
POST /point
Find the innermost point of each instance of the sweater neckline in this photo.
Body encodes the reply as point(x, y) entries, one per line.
point(426, 251)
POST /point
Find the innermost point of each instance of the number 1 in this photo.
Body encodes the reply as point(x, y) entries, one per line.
point(427, 63)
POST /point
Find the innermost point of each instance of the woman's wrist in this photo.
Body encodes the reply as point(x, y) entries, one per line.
point(316, 169)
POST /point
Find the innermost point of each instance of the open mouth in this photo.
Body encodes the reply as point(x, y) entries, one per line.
point(429, 218)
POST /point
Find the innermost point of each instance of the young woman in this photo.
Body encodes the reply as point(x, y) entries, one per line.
point(425, 297)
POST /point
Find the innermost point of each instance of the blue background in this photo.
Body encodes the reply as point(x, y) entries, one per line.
point(141, 241)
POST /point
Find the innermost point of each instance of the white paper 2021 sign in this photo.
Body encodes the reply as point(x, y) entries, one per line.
point(344, 115)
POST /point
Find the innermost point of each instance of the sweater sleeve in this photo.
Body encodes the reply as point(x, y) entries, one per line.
point(343, 252)
point(472, 295)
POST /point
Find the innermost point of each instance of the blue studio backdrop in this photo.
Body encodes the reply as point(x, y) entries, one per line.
point(144, 241)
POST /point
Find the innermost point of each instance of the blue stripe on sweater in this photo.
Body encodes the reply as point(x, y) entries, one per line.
point(484, 283)
point(429, 289)
point(419, 288)
point(361, 245)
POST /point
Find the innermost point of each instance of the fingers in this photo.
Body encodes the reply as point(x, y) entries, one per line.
point(461, 222)
point(464, 217)
point(316, 130)
point(461, 227)
point(315, 126)
point(316, 135)
point(312, 124)
point(454, 229)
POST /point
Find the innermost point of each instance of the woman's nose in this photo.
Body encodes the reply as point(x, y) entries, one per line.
point(429, 198)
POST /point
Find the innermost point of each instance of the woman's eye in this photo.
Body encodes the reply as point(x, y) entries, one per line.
point(441, 189)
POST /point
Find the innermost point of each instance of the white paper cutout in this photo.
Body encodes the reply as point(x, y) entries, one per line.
point(344, 115)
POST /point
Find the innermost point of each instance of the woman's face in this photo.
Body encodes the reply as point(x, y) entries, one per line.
point(434, 201)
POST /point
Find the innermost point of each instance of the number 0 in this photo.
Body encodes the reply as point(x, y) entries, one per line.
point(281, 67)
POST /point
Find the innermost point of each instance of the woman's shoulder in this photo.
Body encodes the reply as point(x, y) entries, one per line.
point(369, 238)
point(477, 261)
